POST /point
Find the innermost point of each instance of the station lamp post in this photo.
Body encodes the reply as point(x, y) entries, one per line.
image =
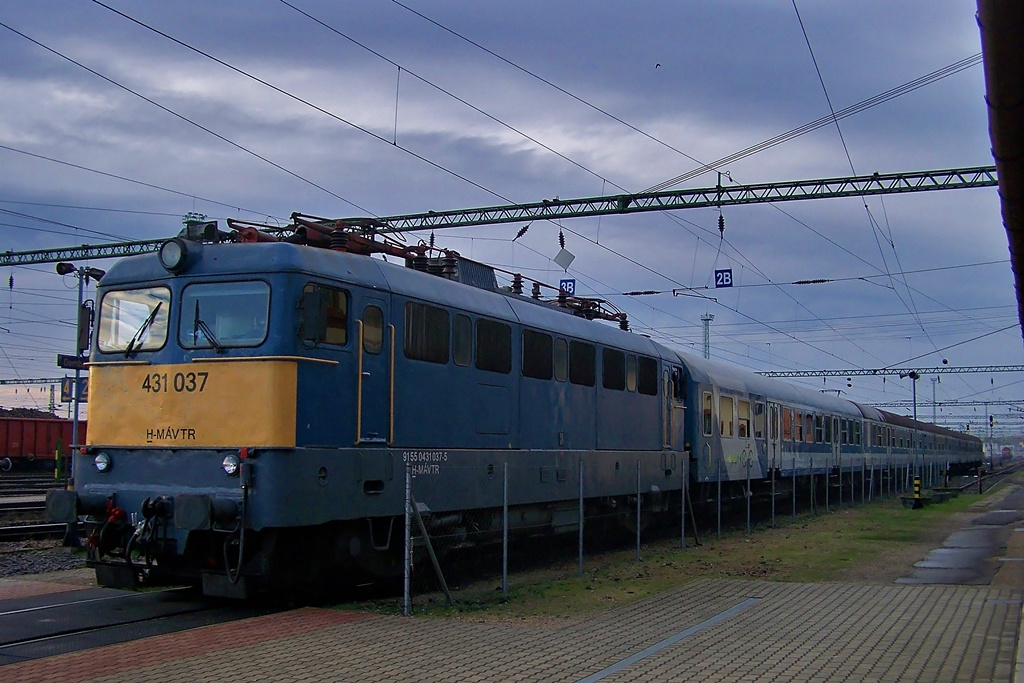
point(913, 439)
point(83, 274)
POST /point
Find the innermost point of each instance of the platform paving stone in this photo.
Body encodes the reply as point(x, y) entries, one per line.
point(795, 632)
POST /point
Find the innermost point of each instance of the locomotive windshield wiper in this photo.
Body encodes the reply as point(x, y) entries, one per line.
point(142, 329)
point(199, 325)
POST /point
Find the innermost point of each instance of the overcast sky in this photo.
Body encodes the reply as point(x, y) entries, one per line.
point(566, 99)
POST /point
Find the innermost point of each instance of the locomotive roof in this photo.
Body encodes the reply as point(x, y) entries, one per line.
point(253, 260)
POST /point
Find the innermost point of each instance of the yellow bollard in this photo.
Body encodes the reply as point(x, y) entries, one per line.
point(917, 488)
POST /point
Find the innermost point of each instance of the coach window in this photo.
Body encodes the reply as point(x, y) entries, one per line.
point(373, 330)
point(561, 362)
point(787, 424)
point(845, 427)
point(462, 340)
point(725, 415)
point(582, 363)
point(809, 428)
point(493, 346)
point(828, 429)
point(758, 420)
point(647, 378)
point(819, 428)
point(630, 373)
point(613, 364)
point(856, 432)
point(426, 333)
point(536, 355)
point(135, 318)
point(798, 426)
point(706, 412)
point(743, 419)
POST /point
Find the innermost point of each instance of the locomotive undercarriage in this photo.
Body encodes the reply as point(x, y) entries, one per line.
point(316, 562)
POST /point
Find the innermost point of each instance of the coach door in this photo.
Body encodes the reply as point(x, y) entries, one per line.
point(774, 442)
point(837, 440)
point(376, 340)
point(675, 407)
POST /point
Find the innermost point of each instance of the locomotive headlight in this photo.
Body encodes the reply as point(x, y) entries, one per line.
point(231, 465)
point(178, 254)
point(102, 462)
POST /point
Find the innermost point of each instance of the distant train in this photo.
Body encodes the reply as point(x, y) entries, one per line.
point(255, 404)
point(32, 443)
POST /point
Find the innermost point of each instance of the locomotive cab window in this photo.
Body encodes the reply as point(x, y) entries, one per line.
point(224, 314)
point(134, 320)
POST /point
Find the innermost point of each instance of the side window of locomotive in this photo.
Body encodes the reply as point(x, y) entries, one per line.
point(582, 363)
point(462, 340)
point(426, 333)
point(758, 420)
point(613, 364)
point(706, 412)
point(647, 378)
point(561, 361)
point(493, 346)
point(324, 315)
point(373, 330)
point(630, 372)
point(537, 355)
point(216, 314)
point(743, 419)
point(725, 415)
point(135, 318)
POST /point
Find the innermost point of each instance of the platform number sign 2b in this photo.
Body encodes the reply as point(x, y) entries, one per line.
point(568, 286)
point(723, 278)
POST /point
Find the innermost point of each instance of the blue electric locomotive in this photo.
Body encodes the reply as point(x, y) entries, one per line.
point(256, 403)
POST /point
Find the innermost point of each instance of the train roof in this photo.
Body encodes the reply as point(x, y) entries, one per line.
point(723, 375)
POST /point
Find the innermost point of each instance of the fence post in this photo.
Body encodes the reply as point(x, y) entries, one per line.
point(794, 487)
point(407, 578)
point(638, 509)
point(581, 516)
point(504, 530)
point(814, 507)
point(718, 502)
point(682, 507)
point(746, 494)
point(839, 466)
point(773, 492)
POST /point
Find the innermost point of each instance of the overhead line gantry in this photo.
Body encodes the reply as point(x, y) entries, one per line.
point(554, 209)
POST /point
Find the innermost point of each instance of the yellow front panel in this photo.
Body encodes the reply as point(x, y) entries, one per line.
point(211, 404)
